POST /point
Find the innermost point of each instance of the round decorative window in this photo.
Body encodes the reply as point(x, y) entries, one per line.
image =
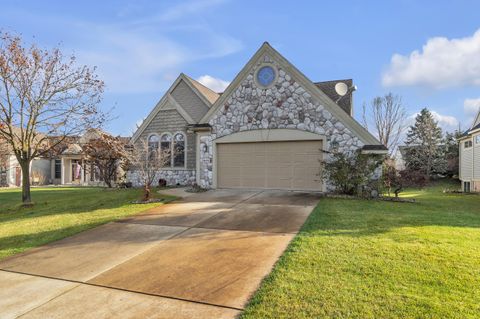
point(265, 75)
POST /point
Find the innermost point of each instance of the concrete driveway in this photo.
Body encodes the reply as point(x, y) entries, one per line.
point(199, 257)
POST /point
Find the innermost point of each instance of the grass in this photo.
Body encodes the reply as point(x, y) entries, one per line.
point(60, 212)
point(372, 259)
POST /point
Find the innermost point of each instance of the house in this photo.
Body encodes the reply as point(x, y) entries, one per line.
point(269, 129)
point(469, 145)
point(399, 156)
point(65, 166)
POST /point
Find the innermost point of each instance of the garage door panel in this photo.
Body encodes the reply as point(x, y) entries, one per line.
point(277, 165)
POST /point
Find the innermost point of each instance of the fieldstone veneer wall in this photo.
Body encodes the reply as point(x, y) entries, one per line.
point(285, 104)
point(173, 177)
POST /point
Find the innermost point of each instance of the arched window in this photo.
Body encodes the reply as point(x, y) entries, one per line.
point(153, 143)
point(166, 149)
point(179, 150)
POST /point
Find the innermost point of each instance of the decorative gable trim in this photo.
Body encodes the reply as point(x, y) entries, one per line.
point(180, 109)
point(365, 136)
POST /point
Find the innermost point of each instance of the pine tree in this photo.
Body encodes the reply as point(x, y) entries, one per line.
point(452, 152)
point(425, 152)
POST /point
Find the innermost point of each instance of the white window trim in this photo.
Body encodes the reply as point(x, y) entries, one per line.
point(172, 143)
point(184, 150)
point(476, 139)
point(149, 136)
point(275, 70)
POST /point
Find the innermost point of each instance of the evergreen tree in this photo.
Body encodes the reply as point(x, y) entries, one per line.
point(452, 152)
point(425, 153)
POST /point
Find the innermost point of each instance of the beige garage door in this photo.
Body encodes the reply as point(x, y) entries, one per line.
point(290, 165)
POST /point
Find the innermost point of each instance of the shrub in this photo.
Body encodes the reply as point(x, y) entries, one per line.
point(352, 173)
point(413, 178)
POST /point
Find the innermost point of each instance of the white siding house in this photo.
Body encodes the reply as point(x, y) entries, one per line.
point(470, 157)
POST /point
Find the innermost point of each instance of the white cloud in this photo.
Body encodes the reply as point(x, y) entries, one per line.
point(187, 8)
point(446, 122)
point(139, 55)
point(441, 63)
point(471, 106)
point(137, 60)
point(215, 84)
point(130, 62)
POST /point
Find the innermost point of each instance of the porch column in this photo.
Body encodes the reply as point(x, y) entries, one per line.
point(82, 172)
point(63, 172)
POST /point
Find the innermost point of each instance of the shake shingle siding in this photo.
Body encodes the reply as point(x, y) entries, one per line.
point(170, 121)
point(189, 101)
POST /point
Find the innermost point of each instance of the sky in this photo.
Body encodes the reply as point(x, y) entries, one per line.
point(428, 52)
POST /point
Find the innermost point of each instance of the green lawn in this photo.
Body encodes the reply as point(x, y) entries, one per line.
point(371, 259)
point(60, 212)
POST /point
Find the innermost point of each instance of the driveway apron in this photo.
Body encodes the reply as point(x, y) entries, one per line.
point(200, 257)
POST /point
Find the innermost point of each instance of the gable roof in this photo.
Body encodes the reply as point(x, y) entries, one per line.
point(166, 99)
point(475, 126)
point(476, 122)
point(210, 95)
point(365, 136)
point(345, 102)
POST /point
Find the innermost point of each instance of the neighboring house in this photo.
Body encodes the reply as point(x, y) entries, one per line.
point(11, 173)
point(67, 167)
point(469, 145)
point(399, 156)
point(269, 129)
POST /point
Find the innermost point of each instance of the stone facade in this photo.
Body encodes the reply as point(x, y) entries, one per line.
point(173, 177)
point(285, 104)
point(206, 161)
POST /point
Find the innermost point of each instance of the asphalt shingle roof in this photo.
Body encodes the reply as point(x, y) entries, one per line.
point(328, 87)
point(209, 94)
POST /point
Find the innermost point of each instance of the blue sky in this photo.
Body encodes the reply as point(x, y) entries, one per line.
point(426, 51)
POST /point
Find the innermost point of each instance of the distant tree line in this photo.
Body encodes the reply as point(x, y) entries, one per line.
point(428, 152)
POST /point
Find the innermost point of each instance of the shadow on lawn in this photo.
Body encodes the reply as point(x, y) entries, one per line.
point(67, 201)
point(356, 218)
point(24, 242)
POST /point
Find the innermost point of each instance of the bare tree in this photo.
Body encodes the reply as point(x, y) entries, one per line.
point(388, 116)
point(43, 94)
point(106, 154)
point(146, 161)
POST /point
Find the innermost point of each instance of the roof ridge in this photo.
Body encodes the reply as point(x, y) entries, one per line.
point(192, 79)
point(336, 80)
point(208, 93)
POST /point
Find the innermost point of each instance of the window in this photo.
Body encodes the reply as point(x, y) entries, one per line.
point(179, 150)
point(467, 144)
point(153, 142)
point(477, 139)
point(466, 187)
point(58, 168)
point(265, 76)
point(166, 148)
